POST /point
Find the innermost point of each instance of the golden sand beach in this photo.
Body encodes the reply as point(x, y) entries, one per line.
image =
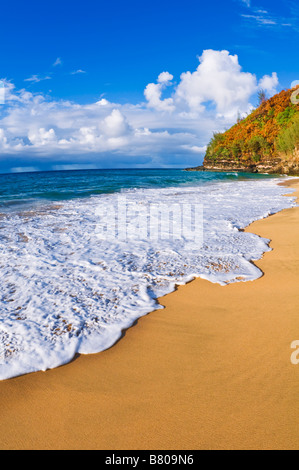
point(210, 371)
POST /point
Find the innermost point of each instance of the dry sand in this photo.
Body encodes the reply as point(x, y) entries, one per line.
point(211, 371)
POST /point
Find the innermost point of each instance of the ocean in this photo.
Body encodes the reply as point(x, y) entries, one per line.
point(83, 254)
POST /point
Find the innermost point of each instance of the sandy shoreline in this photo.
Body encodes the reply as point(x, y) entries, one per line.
point(210, 371)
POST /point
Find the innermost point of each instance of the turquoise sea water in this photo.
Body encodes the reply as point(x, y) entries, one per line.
point(31, 188)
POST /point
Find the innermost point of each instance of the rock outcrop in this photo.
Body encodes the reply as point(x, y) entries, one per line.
point(266, 141)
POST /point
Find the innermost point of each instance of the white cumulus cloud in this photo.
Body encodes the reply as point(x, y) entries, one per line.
point(162, 131)
point(153, 93)
point(269, 83)
point(218, 79)
point(115, 124)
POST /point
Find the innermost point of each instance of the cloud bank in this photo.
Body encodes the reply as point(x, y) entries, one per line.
point(170, 130)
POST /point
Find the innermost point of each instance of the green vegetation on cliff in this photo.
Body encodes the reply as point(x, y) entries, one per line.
point(266, 140)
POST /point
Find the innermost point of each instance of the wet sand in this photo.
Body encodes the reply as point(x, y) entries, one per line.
point(210, 371)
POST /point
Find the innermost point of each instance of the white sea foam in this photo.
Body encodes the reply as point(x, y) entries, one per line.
point(65, 290)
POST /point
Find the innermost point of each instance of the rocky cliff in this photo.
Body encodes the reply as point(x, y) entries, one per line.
point(266, 141)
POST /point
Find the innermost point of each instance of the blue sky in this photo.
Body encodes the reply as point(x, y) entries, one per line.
point(82, 78)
